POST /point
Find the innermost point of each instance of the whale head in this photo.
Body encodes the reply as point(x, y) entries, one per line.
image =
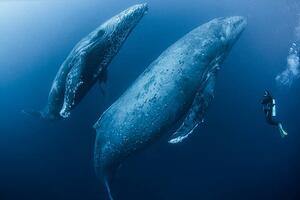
point(132, 15)
point(232, 27)
point(215, 39)
point(125, 21)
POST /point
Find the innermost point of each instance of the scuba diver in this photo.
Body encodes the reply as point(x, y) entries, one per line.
point(269, 108)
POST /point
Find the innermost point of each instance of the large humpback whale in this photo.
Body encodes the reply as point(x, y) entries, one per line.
point(88, 62)
point(177, 87)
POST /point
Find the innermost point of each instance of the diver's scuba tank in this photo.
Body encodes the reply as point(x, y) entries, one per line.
point(273, 108)
point(283, 133)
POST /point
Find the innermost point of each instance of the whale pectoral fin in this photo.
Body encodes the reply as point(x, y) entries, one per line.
point(103, 76)
point(102, 79)
point(191, 122)
point(183, 132)
point(196, 113)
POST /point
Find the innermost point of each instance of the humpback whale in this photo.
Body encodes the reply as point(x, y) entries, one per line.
point(88, 62)
point(177, 87)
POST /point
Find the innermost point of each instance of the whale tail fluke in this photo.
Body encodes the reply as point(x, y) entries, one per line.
point(106, 179)
point(107, 187)
point(41, 115)
point(33, 113)
point(282, 132)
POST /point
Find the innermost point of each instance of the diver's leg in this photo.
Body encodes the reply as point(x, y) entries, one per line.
point(270, 120)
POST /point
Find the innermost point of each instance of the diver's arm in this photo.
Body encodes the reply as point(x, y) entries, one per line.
point(266, 109)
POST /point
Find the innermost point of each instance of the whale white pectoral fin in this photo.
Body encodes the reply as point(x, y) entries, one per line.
point(182, 133)
point(102, 80)
point(103, 76)
point(193, 119)
point(196, 113)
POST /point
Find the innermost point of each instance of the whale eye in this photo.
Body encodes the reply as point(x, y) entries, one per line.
point(100, 33)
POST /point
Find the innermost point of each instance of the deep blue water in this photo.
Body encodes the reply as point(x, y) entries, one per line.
point(234, 155)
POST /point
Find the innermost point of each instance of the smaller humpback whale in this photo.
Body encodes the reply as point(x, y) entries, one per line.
point(177, 86)
point(88, 62)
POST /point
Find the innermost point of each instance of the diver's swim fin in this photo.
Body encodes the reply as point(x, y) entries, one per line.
point(282, 132)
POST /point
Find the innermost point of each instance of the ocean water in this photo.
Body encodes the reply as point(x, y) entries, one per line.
point(233, 155)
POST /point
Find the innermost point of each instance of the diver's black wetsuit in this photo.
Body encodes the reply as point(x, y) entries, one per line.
point(267, 102)
point(268, 106)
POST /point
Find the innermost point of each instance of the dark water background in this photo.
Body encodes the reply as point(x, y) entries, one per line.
point(234, 155)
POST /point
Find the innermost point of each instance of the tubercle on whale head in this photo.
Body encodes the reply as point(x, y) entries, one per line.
point(138, 10)
point(128, 18)
point(133, 15)
point(232, 28)
point(228, 31)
